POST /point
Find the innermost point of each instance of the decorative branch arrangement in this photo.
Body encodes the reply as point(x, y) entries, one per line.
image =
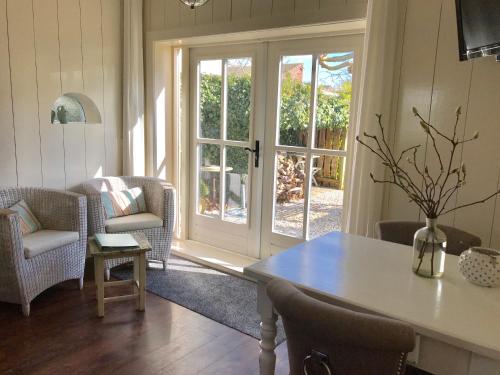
point(436, 190)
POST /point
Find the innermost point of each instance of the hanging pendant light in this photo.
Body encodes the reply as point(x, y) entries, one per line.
point(194, 3)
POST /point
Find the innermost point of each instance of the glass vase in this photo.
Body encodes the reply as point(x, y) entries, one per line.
point(429, 248)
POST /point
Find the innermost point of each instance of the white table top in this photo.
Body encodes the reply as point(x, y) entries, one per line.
point(376, 275)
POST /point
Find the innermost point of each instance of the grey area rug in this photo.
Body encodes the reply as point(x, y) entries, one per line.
point(227, 299)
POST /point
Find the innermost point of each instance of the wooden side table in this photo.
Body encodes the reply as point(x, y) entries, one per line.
point(138, 282)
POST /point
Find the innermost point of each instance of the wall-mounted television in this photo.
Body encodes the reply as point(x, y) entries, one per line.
point(478, 23)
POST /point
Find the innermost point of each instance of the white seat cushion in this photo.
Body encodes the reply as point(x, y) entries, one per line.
point(44, 240)
point(133, 222)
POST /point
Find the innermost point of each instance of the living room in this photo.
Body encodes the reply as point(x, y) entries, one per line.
point(249, 186)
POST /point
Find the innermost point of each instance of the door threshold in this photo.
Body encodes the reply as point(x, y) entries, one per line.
point(213, 257)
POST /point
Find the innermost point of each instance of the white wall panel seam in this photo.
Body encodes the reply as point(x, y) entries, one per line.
point(11, 94)
point(37, 91)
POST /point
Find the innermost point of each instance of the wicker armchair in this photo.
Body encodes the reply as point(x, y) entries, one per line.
point(58, 250)
point(160, 203)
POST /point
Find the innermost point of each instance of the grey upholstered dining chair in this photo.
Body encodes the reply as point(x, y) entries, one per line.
point(320, 335)
point(157, 223)
point(32, 263)
point(402, 232)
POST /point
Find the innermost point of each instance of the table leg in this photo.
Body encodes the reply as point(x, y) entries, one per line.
point(142, 282)
point(267, 358)
point(99, 281)
point(136, 289)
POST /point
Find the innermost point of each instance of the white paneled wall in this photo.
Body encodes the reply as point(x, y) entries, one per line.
point(433, 80)
point(176, 19)
point(50, 47)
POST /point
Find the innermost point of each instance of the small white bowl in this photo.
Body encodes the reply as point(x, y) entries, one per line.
point(480, 266)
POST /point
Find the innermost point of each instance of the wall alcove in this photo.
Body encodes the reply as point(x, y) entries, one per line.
point(74, 108)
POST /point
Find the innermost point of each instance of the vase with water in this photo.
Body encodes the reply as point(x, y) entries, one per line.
point(429, 248)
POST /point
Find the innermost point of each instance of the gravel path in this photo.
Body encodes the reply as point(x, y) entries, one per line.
point(325, 214)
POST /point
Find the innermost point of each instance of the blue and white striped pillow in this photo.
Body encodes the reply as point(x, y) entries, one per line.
point(28, 221)
point(123, 203)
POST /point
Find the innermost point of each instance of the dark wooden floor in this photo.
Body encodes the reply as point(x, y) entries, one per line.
point(64, 336)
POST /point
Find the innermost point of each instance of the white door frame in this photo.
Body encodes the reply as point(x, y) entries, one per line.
point(240, 238)
point(272, 242)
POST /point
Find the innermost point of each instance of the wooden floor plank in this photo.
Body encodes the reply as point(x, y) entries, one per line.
point(63, 335)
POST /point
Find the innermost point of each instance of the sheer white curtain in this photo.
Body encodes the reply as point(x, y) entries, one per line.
point(381, 40)
point(133, 90)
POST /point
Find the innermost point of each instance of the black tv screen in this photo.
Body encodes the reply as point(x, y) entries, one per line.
point(478, 24)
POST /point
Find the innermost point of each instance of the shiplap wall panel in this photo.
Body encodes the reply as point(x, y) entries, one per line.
point(203, 15)
point(221, 11)
point(49, 89)
point(241, 9)
point(93, 82)
point(46, 37)
point(439, 87)
point(8, 175)
point(283, 7)
point(177, 18)
point(451, 89)
point(417, 72)
point(482, 156)
point(307, 5)
point(187, 16)
point(112, 78)
point(172, 14)
point(261, 8)
point(24, 91)
point(72, 81)
point(157, 14)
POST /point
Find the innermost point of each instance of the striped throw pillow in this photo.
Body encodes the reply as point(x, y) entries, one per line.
point(123, 203)
point(29, 222)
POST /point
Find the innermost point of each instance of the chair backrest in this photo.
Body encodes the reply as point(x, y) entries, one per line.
point(352, 343)
point(97, 185)
point(403, 231)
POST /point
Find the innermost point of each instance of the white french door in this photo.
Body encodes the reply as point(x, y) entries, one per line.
point(297, 98)
point(226, 181)
point(312, 87)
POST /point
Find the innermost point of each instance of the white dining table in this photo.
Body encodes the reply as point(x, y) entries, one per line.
point(457, 323)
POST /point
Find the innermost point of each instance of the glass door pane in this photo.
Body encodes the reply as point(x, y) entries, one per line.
point(236, 185)
point(326, 195)
point(239, 90)
point(289, 194)
point(209, 180)
point(295, 100)
point(333, 100)
point(210, 98)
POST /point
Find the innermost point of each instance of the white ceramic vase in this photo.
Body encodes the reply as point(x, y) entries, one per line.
point(480, 266)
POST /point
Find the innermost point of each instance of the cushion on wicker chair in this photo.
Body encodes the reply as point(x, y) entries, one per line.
point(131, 223)
point(44, 240)
point(122, 203)
point(28, 221)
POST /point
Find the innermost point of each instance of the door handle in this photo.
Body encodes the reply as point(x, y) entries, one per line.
point(256, 152)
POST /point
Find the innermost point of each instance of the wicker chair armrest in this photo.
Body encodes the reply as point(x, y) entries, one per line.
point(96, 214)
point(169, 207)
point(11, 239)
